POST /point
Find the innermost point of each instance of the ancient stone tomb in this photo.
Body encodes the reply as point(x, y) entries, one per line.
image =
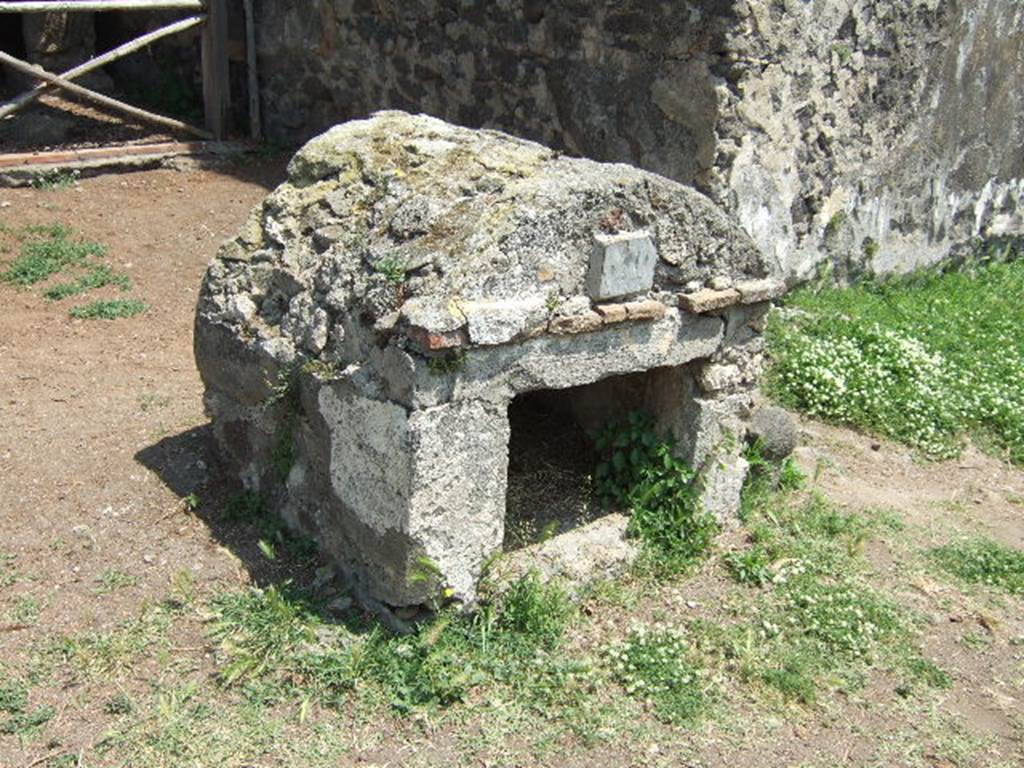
point(365, 338)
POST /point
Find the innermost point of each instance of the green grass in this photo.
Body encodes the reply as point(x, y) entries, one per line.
point(98, 276)
point(275, 642)
point(103, 654)
point(654, 666)
point(109, 309)
point(8, 573)
point(112, 580)
point(812, 620)
point(926, 361)
point(13, 696)
point(59, 178)
point(45, 251)
point(26, 723)
point(982, 561)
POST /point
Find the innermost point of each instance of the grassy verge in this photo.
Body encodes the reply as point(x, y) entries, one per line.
point(925, 361)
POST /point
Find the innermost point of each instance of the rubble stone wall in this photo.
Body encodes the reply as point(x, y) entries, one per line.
point(363, 336)
point(869, 134)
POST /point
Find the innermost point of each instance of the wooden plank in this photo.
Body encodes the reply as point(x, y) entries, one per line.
point(42, 6)
point(18, 102)
point(99, 98)
point(62, 156)
point(216, 77)
point(255, 126)
point(68, 157)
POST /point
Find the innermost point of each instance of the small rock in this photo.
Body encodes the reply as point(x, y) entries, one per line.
point(720, 283)
point(148, 559)
point(340, 605)
point(775, 428)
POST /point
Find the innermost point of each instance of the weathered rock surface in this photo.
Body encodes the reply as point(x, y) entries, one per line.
point(363, 336)
point(870, 134)
point(775, 429)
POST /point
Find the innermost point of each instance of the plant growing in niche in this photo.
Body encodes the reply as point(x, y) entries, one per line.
point(641, 473)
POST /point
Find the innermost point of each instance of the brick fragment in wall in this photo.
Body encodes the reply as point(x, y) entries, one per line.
point(708, 300)
point(755, 291)
point(612, 313)
point(645, 310)
point(434, 341)
point(570, 324)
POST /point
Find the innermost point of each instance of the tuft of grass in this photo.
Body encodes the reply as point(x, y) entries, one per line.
point(109, 309)
point(13, 696)
point(276, 642)
point(983, 561)
point(653, 666)
point(8, 573)
point(102, 653)
point(25, 723)
point(58, 178)
point(925, 360)
point(26, 610)
point(112, 580)
point(45, 251)
point(97, 277)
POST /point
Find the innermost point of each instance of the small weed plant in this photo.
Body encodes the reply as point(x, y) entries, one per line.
point(925, 361)
point(392, 270)
point(58, 178)
point(46, 251)
point(99, 276)
point(640, 472)
point(983, 561)
point(109, 309)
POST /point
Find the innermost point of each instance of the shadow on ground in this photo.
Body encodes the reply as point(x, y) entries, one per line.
point(187, 464)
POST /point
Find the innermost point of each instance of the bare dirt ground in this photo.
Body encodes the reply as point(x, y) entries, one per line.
point(102, 436)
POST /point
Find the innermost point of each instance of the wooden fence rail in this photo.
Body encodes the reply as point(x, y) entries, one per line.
point(28, 97)
point(37, 6)
point(216, 76)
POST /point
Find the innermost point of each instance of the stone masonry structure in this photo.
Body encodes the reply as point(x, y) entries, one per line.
point(363, 337)
point(869, 134)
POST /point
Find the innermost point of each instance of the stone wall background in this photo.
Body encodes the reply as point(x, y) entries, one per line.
point(875, 133)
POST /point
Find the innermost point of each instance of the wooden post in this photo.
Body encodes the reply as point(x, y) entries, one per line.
point(216, 78)
point(255, 126)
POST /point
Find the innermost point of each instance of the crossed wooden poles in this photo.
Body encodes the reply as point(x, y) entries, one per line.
point(216, 94)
